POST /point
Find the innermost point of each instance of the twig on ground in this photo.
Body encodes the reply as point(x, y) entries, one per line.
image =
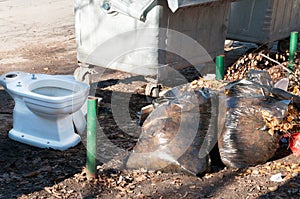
point(285, 68)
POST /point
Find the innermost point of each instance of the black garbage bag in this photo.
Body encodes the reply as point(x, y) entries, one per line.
point(244, 139)
point(178, 135)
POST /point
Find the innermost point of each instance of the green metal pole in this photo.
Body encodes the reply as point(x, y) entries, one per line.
point(293, 49)
point(91, 137)
point(220, 67)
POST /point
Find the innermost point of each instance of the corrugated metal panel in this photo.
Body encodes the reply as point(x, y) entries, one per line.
point(263, 21)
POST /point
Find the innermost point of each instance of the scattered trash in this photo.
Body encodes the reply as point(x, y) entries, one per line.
point(282, 84)
point(284, 143)
point(277, 178)
point(295, 144)
point(144, 113)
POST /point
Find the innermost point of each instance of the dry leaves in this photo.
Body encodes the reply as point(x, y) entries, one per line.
point(256, 61)
point(290, 123)
point(261, 61)
point(202, 83)
point(288, 170)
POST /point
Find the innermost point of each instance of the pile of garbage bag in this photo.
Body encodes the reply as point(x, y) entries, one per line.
point(245, 139)
point(179, 133)
point(245, 119)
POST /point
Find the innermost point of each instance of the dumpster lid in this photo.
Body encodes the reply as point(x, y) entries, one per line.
point(175, 4)
point(139, 8)
point(135, 8)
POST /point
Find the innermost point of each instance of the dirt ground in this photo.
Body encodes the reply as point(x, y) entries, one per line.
point(38, 37)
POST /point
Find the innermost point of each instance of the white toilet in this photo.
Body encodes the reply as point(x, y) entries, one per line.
point(45, 108)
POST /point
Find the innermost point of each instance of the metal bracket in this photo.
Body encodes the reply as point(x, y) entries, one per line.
point(84, 72)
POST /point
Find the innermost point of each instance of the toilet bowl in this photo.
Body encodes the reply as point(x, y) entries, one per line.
point(45, 106)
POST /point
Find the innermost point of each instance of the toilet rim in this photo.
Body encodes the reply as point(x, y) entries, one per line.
point(50, 99)
point(26, 91)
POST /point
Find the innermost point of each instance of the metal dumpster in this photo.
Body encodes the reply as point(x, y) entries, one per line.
point(144, 36)
point(263, 21)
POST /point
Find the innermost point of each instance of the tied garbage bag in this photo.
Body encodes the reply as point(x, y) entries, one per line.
point(245, 139)
point(179, 134)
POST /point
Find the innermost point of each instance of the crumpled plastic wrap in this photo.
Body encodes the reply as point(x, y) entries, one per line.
point(179, 134)
point(245, 139)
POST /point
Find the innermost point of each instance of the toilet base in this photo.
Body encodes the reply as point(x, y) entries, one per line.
point(44, 143)
point(44, 131)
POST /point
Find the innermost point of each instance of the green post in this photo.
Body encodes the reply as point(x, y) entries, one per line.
point(91, 137)
point(220, 67)
point(293, 49)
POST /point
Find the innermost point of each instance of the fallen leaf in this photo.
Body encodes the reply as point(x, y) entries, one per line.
point(192, 186)
point(293, 185)
point(255, 172)
point(31, 174)
point(273, 188)
point(48, 190)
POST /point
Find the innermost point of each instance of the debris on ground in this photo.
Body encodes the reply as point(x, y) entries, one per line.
point(275, 63)
point(25, 170)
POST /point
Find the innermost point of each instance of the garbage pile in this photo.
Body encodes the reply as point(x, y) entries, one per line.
point(179, 133)
point(249, 135)
point(275, 63)
point(245, 118)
